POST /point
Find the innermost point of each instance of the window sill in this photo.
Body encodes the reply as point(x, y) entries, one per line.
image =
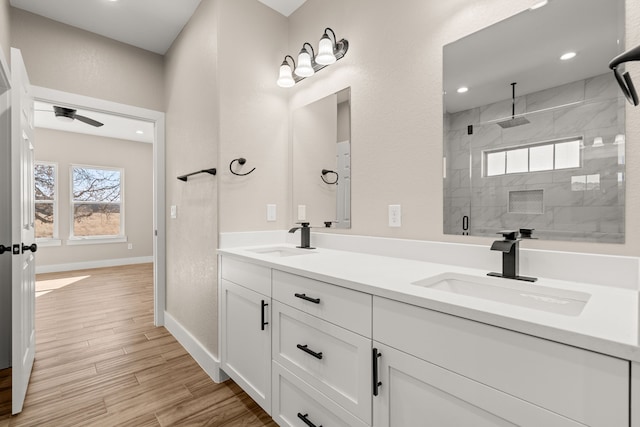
point(95, 240)
point(43, 243)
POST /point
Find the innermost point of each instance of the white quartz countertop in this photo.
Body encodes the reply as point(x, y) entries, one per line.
point(608, 323)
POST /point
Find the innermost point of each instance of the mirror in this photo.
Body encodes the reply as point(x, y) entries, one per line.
point(548, 152)
point(321, 139)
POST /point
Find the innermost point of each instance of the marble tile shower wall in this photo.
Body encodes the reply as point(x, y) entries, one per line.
point(569, 211)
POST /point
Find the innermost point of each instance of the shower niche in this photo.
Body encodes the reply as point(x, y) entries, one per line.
point(548, 152)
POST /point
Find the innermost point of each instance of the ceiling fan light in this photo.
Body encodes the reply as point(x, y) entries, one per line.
point(285, 79)
point(325, 51)
point(304, 68)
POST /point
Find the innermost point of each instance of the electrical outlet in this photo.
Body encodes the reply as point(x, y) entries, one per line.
point(130, 246)
point(271, 212)
point(395, 216)
point(302, 212)
point(174, 212)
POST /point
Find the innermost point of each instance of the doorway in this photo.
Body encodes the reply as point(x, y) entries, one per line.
point(155, 118)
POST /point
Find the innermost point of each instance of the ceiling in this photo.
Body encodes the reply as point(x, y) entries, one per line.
point(526, 49)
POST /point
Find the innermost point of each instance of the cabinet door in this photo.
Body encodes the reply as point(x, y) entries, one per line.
point(246, 341)
point(417, 393)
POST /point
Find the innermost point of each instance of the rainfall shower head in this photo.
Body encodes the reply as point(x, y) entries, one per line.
point(513, 121)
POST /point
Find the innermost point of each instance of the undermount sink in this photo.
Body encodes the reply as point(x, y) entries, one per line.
point(552, 300)
point(281, 251)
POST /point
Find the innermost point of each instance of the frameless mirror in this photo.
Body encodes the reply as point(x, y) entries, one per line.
point(321, 138)
point(534, 125)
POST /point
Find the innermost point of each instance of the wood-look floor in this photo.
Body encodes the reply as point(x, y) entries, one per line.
point(100, 361)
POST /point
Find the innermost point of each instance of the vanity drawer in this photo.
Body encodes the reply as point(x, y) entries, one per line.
point(345, 307)
point(587, 387)
point(293, 398)
point(252, 276)
point(335, 361)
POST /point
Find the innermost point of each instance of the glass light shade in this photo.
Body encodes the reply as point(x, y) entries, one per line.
point(304, 68)
point(619, 139)
point(598, 142)
point(325, 51)
point(285, 79)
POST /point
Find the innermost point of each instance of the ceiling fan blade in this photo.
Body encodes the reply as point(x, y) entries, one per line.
point(89, 121)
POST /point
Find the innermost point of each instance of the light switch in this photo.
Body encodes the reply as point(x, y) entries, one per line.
point(395, 216)
point(271, 212)
point(302, 212)
point(174, 212)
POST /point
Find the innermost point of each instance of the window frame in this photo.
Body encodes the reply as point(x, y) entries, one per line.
point(55, 239)
point(97, 239)
point(553, 143)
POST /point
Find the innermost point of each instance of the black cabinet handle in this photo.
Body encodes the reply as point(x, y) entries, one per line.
point(4, 249)
point(305, 348)
point(305, 419)
point(262, 316)
point(306, 298)
point(33, 247)
point(376, 382)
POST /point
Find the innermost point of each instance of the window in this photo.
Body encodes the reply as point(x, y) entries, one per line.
point(96, 207)
point(547, 156)
point(46, 198)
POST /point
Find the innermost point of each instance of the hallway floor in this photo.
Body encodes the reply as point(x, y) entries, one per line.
point(100, 361)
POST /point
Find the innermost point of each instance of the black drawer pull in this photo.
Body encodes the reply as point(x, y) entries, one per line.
point(311, 352)
point(376, 382)
point(306, 298)
point(263, 323)
point(305, 418)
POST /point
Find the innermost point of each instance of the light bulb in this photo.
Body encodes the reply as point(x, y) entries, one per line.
point(285, 79)
point(304, 68)
point(325, 51)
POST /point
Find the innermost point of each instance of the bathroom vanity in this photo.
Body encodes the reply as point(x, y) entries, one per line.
point(335, 338)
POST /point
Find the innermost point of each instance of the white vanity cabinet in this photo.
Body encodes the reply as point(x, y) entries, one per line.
point(245, 330)
point(437, 369)
point(322, 337)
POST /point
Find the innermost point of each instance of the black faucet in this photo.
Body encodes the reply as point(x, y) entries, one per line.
point(305, 233)
point(510, 248)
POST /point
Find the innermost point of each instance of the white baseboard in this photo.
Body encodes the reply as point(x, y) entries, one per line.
point(54, 268)
point(205, 359)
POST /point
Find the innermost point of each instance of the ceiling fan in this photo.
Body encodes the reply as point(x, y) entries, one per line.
point(69, 114)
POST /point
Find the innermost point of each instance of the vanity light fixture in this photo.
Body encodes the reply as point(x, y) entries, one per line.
point(463, 89)
point(304, 68)
point(568, 55)
point(597, 142)
point(329, 51)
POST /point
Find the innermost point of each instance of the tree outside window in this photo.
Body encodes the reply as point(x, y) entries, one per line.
point(45, 180)
point(97, 206)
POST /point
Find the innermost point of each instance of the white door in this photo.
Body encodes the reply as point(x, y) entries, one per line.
point(23, 236)
point(343, 195)
point(413, 392)
point(246, 341)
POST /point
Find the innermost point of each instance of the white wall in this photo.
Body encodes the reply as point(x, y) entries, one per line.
point(65, 58)
point(4, 27)
point(221, 104)
point(136, 158)
point(394, 67)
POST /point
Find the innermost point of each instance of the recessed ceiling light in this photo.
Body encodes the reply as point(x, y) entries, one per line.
point(568, 56)
point(539, 5)
point(139, 132)
point(463, 89)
